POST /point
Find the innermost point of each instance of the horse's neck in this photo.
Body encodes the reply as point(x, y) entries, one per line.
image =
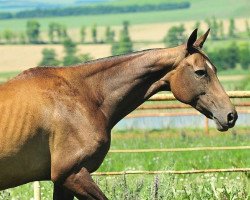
point(126, 82)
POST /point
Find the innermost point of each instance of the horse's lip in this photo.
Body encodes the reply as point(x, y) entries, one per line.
point(220, 127)
point(208, 114)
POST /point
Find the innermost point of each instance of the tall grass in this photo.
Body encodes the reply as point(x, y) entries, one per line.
point(151, 187)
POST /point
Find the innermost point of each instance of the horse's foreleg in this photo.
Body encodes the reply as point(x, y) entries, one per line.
point(83, 186)
point(62, 193)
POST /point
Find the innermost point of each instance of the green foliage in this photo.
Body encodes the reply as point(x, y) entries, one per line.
point(83, 34)
point(85, 57)
point(124, 45)
point(244, 56)
point(232, 29)
point(9, 36)
point(49, 58)
point(70, 57)
point(175, 36)
point(110, 34)
point(221, 30)
point(197, 11)
point(232, 55)
point(70, 60)
point(95, 10)
point(229, 57)
point(22, 38)
point(198, 26)
point(33, 31)
point(247, 28)
point(94, 33)
point(57, 33)
point(245, 84)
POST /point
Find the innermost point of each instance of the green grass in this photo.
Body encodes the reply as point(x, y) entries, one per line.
point(8, 75)
point(199, 10)
point(141, 187)
point(218, 44)
point(180, 160)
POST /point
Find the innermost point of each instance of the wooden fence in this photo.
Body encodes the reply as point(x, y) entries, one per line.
point(170, 97)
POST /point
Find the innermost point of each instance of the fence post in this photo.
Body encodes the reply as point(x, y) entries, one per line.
point(37, 191)
point(206, 126)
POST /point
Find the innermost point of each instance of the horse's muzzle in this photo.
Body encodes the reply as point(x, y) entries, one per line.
point(224, 125)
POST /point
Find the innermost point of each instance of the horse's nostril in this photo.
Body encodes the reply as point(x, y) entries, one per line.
point(230, 118)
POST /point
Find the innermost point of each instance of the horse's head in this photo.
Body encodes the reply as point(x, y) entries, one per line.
point(194, 81)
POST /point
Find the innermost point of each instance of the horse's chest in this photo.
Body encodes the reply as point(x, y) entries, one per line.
point(97, 155)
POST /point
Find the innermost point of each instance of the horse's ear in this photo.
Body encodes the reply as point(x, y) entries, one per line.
point(199, 43)
point(192, 38)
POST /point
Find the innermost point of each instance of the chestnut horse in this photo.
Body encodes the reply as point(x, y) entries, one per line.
point(56, 122)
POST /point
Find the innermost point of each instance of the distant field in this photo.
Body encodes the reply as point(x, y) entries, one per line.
point(199, 10)
point(21, 57)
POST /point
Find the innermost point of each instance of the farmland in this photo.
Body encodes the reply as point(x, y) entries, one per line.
point(208, 186)
point(222, 9)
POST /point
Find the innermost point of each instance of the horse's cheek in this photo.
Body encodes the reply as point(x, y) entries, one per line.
point(180, 87)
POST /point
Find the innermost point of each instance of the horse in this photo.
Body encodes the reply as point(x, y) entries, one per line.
point(56, 122)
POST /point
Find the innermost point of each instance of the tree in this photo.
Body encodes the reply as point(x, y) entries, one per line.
point(33, 31)
point(109, 35)
point(62, 33)
point(175, 36)
point(221, 30)
point(247, 28)
point(215, 28)
point(8, 36)
point(198, 26)
point(232, 29)
point(57, 33)
point(70, 57)
point(244, 56)
point(49, 58)
point(22, 38)
point(232, 55)
point(51, 32)
point(83, 34)
point(94, 33)
point(124, 45)
point(85, 57)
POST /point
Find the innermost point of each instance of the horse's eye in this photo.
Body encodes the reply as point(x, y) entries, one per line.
point(200, 73)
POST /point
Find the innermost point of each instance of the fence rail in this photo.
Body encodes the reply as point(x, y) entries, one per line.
point(178, 149)
point(198, 171)
point(180, 106)
point(170, 97)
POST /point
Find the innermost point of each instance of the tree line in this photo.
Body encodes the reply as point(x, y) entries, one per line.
point(227, 57)
point(223, 57)
point(56, 34)
point(176, 34)
point(94, 10)
point(122, 46)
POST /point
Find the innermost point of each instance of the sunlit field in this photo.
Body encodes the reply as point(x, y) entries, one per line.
point(191, 186)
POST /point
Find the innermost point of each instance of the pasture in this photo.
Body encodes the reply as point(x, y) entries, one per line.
point(222, 9)
point(190, 186)
point(147, 30)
